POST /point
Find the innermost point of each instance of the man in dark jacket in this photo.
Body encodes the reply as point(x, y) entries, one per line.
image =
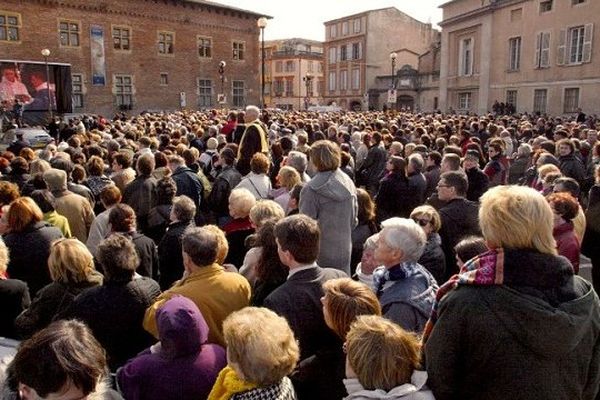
point(320, 371)
point(417, 183)
point(254, 140)
point(478, 180)
point(373, 169)
point(570, 165)
point(188, 183)
point(227, 179)
point(459, 215)
point(140, 194)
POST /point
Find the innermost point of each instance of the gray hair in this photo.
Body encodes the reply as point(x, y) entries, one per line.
point(405, 235)
point(524, 149)
point(371, 242)
point(184, 208)
point(416, 160)
point(297, 160)
point(252, 110)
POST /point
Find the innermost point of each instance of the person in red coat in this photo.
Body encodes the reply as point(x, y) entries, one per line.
point(565, 208)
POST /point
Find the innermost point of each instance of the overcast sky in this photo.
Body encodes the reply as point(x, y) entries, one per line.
point(304, 18)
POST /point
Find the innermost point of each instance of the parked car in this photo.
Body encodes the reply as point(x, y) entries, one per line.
point(37, 137)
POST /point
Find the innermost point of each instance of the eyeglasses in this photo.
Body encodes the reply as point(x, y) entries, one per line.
point(421, 222)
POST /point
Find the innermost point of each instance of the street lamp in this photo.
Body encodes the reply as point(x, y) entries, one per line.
point(222, 65)
point(307, 81)
point(46, 54)
point(262, 23)
point(393, 57)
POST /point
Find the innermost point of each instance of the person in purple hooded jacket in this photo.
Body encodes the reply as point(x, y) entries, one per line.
point(182, 365)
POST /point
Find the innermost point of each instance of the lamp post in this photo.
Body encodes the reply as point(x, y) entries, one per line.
point(262, 23)
point(222, 65)
point(393, 59)
point(307, 81)
point(46, 54)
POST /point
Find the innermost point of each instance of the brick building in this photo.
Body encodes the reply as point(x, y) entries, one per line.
point(139, 54)
point(538, 55)
point(357, 54)
point(294, 73)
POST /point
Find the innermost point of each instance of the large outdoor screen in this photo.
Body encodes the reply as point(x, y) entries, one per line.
point(28, 83)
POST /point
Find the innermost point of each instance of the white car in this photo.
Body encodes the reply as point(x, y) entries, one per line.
point(37, 137)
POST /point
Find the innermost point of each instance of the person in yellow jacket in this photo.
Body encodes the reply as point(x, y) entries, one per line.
point(216, 292)
point(254, 140)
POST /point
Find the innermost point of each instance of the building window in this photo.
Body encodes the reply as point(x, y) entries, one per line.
point(239, 52)
point(355, 79)
point(539, 100)
point(357, 25)
point(545, 6)
point(124, 90)
point(575, 39)
point(464, 101)
point(166, 41)
point(332, 78)
point(205, 93)
point(465, 61)
point(121, 38)
point(511, 98)
point(575, 2)
point(278, 87)
point(77, 90)
point(332, 55)
point(320, 86)
point(310, 66)
point(343, 52)
point(575, 45)
point(164, 79)
point(290, 66)
point(514, 54)
point(516, 15)
point(542, 50)
point(344, 28)
point(10, 27)
point(204, 47)
point(343, 80)
point(289, 88)
point(319, 67)
point(69, 33)
point(239, 94)
point(333, 31)
point(571, 100)
point(279, 66)
point(356, 51)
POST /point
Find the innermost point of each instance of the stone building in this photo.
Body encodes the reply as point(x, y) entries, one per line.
point(139, 54)
point(538, 55)
point(294, 73)
point(357, 51)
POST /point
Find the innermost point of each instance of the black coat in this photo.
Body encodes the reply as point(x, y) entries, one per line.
point(29, 251)
point(478, 183)
point(393, 197)
point(460, 218)
point(433, 258)
point(115, 312)
point(14, 297)
point(140, 195)
point(417, 184)
point(188, 184)
point(169, 254)
point(148, 253)
point(572, 167)
point(320, 371)
point(218, 199)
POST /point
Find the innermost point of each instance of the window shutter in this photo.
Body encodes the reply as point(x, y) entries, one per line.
point(587, 42)
point(537, 63)
point(562, 48)
point(545, 54)
point(360, 50)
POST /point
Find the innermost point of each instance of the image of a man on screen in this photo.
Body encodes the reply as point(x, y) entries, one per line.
point(11, 87)
point(40, 97)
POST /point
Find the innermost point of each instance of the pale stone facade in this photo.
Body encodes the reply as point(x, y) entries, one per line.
point(539, 55)
point(294, 73)
point(357, 54)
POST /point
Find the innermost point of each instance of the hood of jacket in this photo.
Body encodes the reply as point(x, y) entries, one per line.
point(181, 328)
point(547, 308)
point(415, 389)
point(334, 185)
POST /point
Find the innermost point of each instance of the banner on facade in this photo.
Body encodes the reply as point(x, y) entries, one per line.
point(391, 95)
point(98, 58)
point(182, 99)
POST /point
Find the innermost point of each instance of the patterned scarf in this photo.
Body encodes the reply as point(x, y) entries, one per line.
point(402, 271)
point(484, 270)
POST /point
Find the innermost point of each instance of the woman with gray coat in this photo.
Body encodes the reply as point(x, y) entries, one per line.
point(330, 198)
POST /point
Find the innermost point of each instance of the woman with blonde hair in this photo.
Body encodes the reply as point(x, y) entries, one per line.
point(433, 257)
point(519, 288)
point(14, 296)
point(258, 364)
point(288, 177)
point(383, 361)
point(28, 239)
point(72, 271)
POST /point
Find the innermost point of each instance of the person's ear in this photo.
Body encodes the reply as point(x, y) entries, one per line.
point(26, 392)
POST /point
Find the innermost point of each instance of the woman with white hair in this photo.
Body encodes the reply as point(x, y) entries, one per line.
point(406, 290)
point(513, 309)
point(240, 227)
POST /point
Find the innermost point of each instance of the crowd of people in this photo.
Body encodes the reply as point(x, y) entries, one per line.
point(296, 255)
